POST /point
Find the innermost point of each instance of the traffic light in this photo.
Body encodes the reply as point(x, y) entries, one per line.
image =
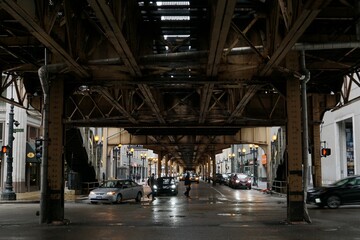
point(38, 148)
point(325, 152)
point(5, 149)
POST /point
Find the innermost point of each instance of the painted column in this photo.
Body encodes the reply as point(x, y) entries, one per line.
point(294, 156)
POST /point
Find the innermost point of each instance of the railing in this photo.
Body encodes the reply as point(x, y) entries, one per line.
point(279, 186)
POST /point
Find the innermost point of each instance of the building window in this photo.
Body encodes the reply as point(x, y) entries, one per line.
point(32, 133)
point(349, 149)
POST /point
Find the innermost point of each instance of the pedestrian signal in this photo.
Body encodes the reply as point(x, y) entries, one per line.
point(5, 149)
point(325, 152)
point(38, 148)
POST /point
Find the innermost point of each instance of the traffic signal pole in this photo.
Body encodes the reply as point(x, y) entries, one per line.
point(8, 193)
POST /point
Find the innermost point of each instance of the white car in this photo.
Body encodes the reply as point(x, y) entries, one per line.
point(116, 191)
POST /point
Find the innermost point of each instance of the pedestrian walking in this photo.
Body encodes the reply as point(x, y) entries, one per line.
point(151, 182)
point(187, 183)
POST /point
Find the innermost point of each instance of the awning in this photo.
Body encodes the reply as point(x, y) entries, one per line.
point(30, 153)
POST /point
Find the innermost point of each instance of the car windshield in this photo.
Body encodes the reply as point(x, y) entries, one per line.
point(167, 181)
point(341, 182)
point(242, 176)
point(112, 184)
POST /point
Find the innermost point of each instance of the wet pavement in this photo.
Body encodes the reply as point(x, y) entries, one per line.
point(212, 213)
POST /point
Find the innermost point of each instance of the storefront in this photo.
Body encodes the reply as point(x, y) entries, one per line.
point(32, 169)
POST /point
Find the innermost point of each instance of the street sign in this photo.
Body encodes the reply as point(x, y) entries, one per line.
point(18, 130)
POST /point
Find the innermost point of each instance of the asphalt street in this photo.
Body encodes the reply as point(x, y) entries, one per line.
point(212, 213)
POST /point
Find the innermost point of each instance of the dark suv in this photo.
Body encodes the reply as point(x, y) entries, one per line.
point(166, 186)
point(219, 178)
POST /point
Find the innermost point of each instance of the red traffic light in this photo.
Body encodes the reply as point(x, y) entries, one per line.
point(325, 152)
point(5, 149)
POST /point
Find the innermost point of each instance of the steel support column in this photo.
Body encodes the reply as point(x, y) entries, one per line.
point(53, 196)
point(170, 168)
point(166, 167)
point(208, 164)
point(316, 145)
point(213, 166)
point(159, 162)
point(295, 195)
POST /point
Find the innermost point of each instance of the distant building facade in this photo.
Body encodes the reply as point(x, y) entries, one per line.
point(339, 132)
point(26, 167)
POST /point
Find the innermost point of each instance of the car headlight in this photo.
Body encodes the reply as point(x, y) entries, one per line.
point(155, 187)
point(237, 181)
point(111, 193)
point(92, 193)
point(173, 186)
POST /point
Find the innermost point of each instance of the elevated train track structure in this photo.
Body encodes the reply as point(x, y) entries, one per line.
point(187, 78)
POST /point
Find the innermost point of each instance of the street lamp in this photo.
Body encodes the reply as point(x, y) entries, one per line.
point(98, 153)
point(117, 152)
point(242, 153)
point(143, 158)
point(9, 194)
point(254, 151)
point(231, 157)
point(155, 162)
point(130, 153)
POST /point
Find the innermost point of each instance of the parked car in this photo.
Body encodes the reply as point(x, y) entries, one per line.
point(217, 178)
point(342, 192)
point(220, 178)
point(240, 180)
point(116, 191)
point(226, 178)
point(166, 186)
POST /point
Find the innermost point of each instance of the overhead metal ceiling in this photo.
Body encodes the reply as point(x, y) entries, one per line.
point(169, 69)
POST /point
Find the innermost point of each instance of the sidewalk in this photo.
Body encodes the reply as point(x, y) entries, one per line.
point(27, 197)
point(34, 197)
point(262, 187)
point(69, 195)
